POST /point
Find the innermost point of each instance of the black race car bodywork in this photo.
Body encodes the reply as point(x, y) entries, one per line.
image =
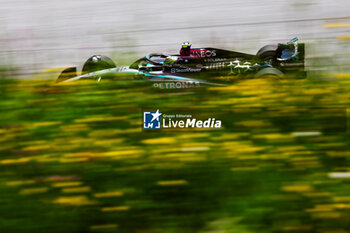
point(204, 66)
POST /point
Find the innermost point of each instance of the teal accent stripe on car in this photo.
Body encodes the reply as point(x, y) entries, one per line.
point(172, 77)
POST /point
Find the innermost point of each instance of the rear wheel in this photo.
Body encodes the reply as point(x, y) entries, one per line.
point(98, 62)
point(268, 52)
point(269, 73)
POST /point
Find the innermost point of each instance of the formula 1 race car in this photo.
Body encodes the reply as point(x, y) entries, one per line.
point(201, 67)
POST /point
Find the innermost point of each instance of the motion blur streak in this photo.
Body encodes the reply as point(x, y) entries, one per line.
point(74, 157)
point(43, 34)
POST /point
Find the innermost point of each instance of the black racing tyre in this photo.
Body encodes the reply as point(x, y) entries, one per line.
point(270, 73)
point(98, 62)
point(268, 52)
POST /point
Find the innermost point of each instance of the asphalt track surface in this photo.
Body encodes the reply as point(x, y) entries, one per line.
point(39, 35)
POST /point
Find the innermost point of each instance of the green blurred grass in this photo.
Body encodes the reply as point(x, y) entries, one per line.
point(74, 159)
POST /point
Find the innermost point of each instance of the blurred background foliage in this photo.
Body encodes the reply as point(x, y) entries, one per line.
point(75, 159)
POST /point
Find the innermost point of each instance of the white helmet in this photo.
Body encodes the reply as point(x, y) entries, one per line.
point(186, 45)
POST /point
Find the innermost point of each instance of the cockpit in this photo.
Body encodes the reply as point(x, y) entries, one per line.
point(150, 62)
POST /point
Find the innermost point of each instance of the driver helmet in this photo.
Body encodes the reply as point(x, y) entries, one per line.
point(186, 45)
